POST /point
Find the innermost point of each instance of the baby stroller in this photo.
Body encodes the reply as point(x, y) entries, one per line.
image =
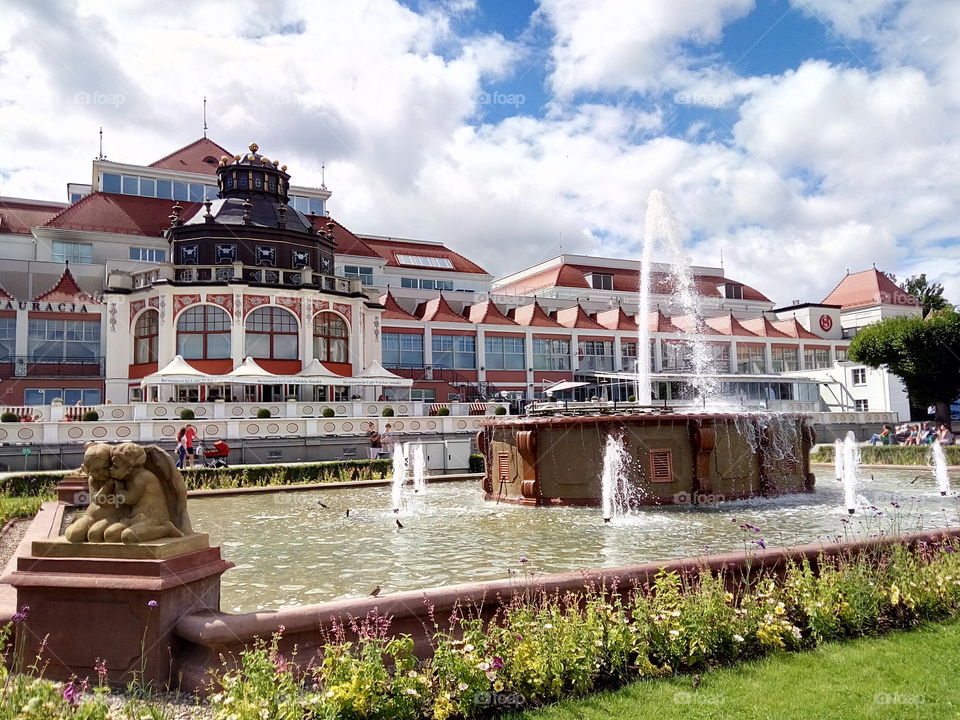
point(215, 456)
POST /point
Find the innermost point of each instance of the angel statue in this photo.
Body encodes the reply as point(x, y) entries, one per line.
point(151, 497)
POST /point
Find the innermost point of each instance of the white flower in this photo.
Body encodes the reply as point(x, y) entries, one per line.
point(462, 686)
point(674, 633)
point(738, 638)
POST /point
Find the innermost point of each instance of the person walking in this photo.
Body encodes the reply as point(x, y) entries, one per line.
point(190, 439)
point(387, 439)
point(374, 437)
point(181, 447)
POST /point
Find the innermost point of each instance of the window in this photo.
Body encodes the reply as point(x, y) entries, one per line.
point(750, 359)
point(330, 338)
point(551, 354)
point(596, 355)
point(69, 396)
point(861, 405)
point(165, 189)
point(719, 357)
point(785, 359)
point(56, 340)
point(815, 358)
point(455, 351)
point(203, 333)
point(316, 206)
point(402, 349)
point(409, 282)
point(425, 261)
point(75, 252)
point(131, 185)
point(425, 394)
point(145, 338)
point(733, 291)
point(110, 182)
point(359, 271)
point(859, 376)
point(180, 190)
point(504, 353)
point(628, 356)
point(841, 353)
point(677, 356)
point(196, 192)
point(154, 255)
point(8, 337)
point(601, 281)
point(148, 187)
point(271, 334)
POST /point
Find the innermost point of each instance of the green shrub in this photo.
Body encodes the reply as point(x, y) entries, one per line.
point(264, 475)
point(387, 411)
point(444, 411)
point(500, 410)
point(328, 412)
point(890, 454)
point(91, 416)
point(631, 398)
point(476, 464)
point(9, 417)
point(263, 413)
point(187, 414)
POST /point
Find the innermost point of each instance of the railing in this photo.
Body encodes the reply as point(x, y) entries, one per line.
point(25, 366)
point(226, 273)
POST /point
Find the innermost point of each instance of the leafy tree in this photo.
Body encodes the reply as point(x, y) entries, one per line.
point(929, 294)
point(923, 352)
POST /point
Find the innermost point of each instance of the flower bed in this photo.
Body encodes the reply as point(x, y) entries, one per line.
point(889, 454)
point(541, 646)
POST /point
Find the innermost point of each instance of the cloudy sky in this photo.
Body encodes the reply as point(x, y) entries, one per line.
point(799, 138)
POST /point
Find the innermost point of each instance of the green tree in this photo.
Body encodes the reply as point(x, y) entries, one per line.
point(923, 353)
point(929, 294)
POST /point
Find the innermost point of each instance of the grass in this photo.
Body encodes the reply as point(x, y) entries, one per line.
point(898, 676)
point(890, 454)
point(20, 507)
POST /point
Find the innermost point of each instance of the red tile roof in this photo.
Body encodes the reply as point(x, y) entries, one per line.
point(749, 293)
point(691, 324)
point(439, 310)
point(763, 327)
point(488, 313)
point(389, 249)
point(18, 217)
point(658, 322)
point(616, 319)
point(4, 295)
point(729, 325)
point(561, 276)
point(576, 317)
point(793, 328)
point(393, 311)
point(66, 290)
point(347, 243)
point(125, 214)
point(190, 158)
point(869, 287)
point(532, 315)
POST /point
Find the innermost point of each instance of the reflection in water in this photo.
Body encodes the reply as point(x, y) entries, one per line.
point(290, 551)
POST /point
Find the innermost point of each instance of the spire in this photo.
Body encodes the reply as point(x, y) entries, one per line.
point(101, 156)
point(204, 116)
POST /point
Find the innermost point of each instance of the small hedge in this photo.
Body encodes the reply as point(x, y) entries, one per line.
point(476, 463)
point(328, 412)
point(263, 413)
point(444, 411)
point(264, 475)
point(90, 416)
point(501, 410)
point(890, 455)
point(387, 412)
point(9, 417)
point(187, 414)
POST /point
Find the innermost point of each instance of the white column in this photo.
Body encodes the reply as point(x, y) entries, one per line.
point(528, 363)
point(481, 355)
point(574, 352)
point(733, 357)
point(427, 345)
point(22, 342)
point(618, 355)
point(768, 357)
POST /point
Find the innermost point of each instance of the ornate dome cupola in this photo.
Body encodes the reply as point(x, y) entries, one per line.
point(250, 233)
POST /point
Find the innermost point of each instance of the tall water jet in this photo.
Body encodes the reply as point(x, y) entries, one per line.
point(838, 459)
point(419, 469)
point(644, 389)
point(851, 462)
point(940, 469)
point(399, 477)
point(614, 493)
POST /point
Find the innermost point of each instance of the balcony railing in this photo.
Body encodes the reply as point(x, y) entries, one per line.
point(25, 366)
point(249, 273)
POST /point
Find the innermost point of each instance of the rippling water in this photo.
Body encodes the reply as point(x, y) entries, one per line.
point(291, 551)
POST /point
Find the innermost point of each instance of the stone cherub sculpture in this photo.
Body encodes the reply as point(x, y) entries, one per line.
point(137, 495)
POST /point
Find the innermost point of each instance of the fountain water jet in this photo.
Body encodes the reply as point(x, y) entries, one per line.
point(940, 469)
point(838, 459)
point(419, 469)
point(399, 477)
point(613, 485)
point(851, 462)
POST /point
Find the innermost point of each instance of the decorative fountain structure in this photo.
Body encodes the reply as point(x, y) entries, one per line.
point(665, 457)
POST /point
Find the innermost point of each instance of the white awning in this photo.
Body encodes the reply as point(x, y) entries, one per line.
point(177, 372)
point(564, 385)
point(248, 373)
point(377, 374)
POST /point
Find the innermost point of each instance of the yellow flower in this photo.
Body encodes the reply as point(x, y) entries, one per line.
point(894, 595)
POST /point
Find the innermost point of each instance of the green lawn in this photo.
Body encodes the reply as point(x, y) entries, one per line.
point(18, 507)
point(902, 675)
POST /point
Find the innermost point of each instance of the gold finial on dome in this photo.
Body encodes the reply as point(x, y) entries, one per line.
point(224, 159)
point(250, 157)
point(236, 157)
point(254, 147)
point(276, 162)
point(283, 167)
point(264, 160)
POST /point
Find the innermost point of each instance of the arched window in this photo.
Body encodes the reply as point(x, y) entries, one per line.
point(203, 333)
point(272, 334)
point(330, 338)
point(146, 332)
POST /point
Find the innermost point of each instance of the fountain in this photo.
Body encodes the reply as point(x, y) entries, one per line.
point(399, 477)
point(940, 469)
point(851, 463)
point(614, 489)
point(553, 460)
point(838, 458)
point(419, 469)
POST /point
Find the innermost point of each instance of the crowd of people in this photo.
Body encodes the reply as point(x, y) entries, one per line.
point(914, 434)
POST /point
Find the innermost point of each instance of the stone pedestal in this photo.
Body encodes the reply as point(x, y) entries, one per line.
point(114, 602)
point(74, 490)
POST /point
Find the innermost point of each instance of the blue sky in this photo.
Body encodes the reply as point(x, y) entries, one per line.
point(801, 137)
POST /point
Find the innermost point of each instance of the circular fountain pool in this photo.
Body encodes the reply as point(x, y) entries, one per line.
point(291, 551)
